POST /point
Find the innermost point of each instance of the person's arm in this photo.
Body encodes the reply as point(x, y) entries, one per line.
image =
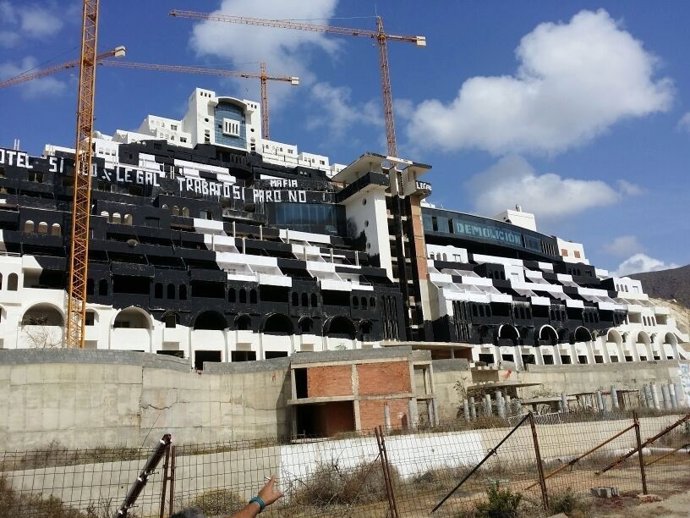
point(268, 494)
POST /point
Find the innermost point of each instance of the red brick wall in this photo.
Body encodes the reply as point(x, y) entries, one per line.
point(384, 378)
point(329, 381)
point(371, 413)
point(336, 417)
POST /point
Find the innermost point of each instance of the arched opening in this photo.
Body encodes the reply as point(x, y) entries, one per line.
point(243, 322)
point(277, 324)
point(132, 318)
point(548, 336)
point(127, 219)
point(508, 332)
point(372, 302)
point(363, 303)
point(643, 338)
point(210, 320)
point(185, 212)
point(243, 296)
point(305, 299)
point(306, 325)
point(582, 334)
point(116, 218)
point(171, 291)
point(355, 303)
point(295, 299)
point(313, 300)
point(613, 336)
point(90, 286)
point(105, 214)
point(12, 282)
point(158, 290)
point(670, 339)
point(183, 292)
point(28, 226)
point(340, 327)
point(55, 229)
point(103, 287)
point(176, 210)
point(42, 315)
point(232, 296)
point(252, 297)
point(43, 228)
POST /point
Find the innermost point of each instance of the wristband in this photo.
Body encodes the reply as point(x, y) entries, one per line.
point(260, 501)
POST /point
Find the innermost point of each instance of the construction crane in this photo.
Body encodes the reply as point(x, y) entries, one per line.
point(117, 52)
point(81, 201)
point(262, 76)
point(379, 35)
point(36, 74)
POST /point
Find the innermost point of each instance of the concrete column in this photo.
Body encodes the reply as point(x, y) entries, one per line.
point(413, 413)
point(564, 402)
point(655, 396)
point(473, 409)
point(500, 405)
point(508, 404)
point(614, 398)
point(665, 396)
point(643, 396)
point(600, 402)
point(387, 416)
point(681, 398)
point(466, 409)
point(672, 395)
point(487, 405)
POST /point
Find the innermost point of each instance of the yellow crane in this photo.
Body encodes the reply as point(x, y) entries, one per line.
point(379, 35)
point(117, 52)
point(81, 200)
point(262, 76)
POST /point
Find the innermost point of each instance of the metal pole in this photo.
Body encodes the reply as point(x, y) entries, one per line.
point(639, 453)
point(166, 465)
point(491, 452)
point(383, 454)
point(172, 478)
point(663, 432)
point(540, 466)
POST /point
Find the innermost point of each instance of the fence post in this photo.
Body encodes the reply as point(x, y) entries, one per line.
point(639, 453)
point(388, 482)
point(166, 466)
point(540, 466)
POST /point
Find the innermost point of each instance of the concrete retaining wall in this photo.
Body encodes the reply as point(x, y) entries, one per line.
point(86, 399)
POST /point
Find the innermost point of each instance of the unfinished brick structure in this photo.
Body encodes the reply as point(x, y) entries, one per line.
point(340, 392)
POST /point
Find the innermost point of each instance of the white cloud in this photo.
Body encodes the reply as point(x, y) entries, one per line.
point(574, 81)
point(39, 22)
point(42, 87)
point(30, 21)
point(338, 113)
point(684, 122)
point(512, 180)
point(624, 246)
point(640, 263)
point(285, 51)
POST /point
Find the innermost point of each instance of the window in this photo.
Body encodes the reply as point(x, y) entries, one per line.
point(564, 252)
point(577, 254)
point(90, 318)
point(231, 127)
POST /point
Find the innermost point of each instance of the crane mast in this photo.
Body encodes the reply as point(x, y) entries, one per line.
point(378, 35)
point(81, 202)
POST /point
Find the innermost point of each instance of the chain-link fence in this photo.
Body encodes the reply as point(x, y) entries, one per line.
point(526, 464)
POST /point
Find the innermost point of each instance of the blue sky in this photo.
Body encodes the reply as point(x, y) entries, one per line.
point(578, 111)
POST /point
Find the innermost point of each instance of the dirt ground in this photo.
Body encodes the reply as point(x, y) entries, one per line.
point(675, 506)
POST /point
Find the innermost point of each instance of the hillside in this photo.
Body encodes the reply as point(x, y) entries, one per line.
point(667, 284)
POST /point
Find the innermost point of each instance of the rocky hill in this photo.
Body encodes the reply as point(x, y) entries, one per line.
point(673, 285)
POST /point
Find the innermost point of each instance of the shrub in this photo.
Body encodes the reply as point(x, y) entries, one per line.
point(502, 503)
point(567, 502)
point(331, 485)
point(218, 501)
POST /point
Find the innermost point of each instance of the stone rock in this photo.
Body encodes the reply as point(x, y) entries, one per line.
point(604, 492)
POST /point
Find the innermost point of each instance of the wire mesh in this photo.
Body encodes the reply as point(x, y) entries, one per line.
point(344, 476)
